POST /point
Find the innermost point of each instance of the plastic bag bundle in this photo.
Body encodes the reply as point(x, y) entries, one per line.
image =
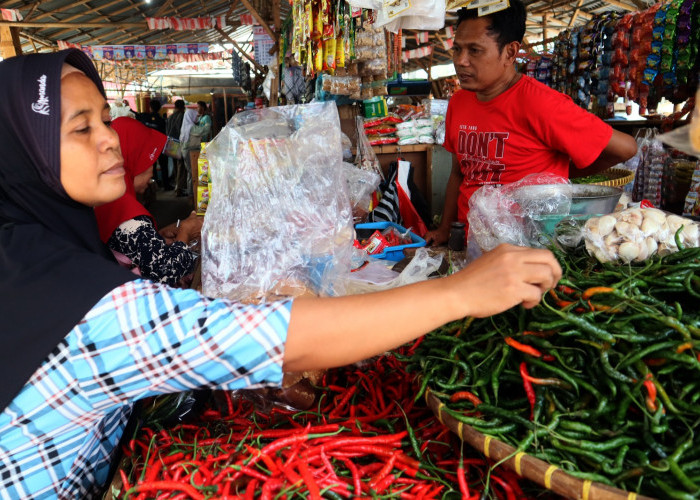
point(279, 221)
point(635, 234)
point(509, 213)
point(360, 186)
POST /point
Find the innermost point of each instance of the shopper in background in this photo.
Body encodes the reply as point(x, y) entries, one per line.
point(203, 121)
point(84, 339)
point(502, 126)
point(172, 129)
point(156, 121)
point(191, 116)
point(128, 227)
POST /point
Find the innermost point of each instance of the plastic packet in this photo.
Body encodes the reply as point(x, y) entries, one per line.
point(279, 221)
point(421, 267)
point(365, 158)
point(510, 213)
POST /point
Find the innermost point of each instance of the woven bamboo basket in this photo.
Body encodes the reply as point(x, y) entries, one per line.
point(550, 476)
point(617, 177)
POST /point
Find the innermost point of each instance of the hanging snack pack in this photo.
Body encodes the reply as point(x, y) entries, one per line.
point(279, 221)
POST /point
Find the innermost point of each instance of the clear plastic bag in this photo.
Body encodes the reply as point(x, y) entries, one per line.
point(279, 221)
point(360, 186)
point(510, 213)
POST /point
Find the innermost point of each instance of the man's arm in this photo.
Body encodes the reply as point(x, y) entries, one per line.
point(329, 332)
point(449, 210)
point(620, 148)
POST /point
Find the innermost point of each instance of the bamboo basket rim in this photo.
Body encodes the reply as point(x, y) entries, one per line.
point(617, 177)
point(538, 471)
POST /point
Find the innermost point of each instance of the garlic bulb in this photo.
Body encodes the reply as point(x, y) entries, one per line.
point(637, 234)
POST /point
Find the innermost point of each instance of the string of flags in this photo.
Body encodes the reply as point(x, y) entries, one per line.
point(11, 15)
point(175, 52)
point(186, 23)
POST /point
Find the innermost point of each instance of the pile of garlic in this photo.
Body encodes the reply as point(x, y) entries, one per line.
point(636, 234)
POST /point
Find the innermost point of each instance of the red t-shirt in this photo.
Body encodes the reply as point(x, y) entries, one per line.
point(528, 129)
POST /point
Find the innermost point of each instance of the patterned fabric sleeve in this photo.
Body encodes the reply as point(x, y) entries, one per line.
point(59, 434)
point(138, 239)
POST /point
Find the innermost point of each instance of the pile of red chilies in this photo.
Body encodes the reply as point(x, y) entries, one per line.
point(367, 438)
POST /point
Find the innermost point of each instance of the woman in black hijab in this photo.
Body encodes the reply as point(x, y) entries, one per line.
point(82, 338)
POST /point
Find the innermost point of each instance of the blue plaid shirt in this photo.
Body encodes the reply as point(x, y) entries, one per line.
point(59, 434)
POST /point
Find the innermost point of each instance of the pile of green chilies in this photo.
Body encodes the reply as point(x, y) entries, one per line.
point(600, 379)
point(366, 438)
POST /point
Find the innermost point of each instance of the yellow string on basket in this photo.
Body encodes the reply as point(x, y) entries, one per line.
point(548, 476)
point(487, 445)
point(518, 457)
point(586, 489)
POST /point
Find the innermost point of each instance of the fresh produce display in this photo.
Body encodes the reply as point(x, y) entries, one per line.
point(601, 379)
point(367, 435)
point(636, 234)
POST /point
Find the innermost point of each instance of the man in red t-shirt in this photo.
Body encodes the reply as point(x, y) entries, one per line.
point(502, 126)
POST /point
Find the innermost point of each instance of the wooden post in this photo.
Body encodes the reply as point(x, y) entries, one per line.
point(9, 42)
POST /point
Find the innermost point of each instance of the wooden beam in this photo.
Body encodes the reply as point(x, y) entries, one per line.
point(31, 10)
point(9, 42)
point(621, 5)
point(260, 20)
point(575, 14)
point(256, 65)
point(22, 24)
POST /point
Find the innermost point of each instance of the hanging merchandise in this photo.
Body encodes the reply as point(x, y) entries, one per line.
point(411, 14)
point(640, 57)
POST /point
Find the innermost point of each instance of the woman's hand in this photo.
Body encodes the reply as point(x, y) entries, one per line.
point(184, 230)
point(190, 228)
point(503, 278)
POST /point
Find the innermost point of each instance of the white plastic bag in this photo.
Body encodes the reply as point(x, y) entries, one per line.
point(509, 213)
point(279, 221)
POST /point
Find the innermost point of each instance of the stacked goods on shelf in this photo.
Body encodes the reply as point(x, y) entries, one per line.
point(203, 181)
point(382, 130)
point(415, 131)
point(371, 53)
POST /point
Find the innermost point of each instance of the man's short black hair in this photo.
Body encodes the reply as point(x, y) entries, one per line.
point(180, 104)
point(155, 105)
point(507, 25)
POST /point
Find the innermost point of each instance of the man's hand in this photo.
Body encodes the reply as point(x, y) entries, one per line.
point(503, 278)
point(437, 236)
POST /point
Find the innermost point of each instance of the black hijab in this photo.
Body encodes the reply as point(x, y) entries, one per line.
point(53, 266)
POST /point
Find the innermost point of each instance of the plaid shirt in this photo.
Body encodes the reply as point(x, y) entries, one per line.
point(59, 434)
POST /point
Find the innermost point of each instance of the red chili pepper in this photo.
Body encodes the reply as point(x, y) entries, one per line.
point(596, 290)
point(357, 488)
point(469, 396)
point(510, 494)
point(529, 391)
point(346, 397)
point(169, 486)
point(559, 302)
point(655, 361)
point(383, 472)
point(309, 481)
point(684, 347)
point(527, 349)
point(651, 391)
point(250, 489)
point(125, 480)
point(568, 290)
